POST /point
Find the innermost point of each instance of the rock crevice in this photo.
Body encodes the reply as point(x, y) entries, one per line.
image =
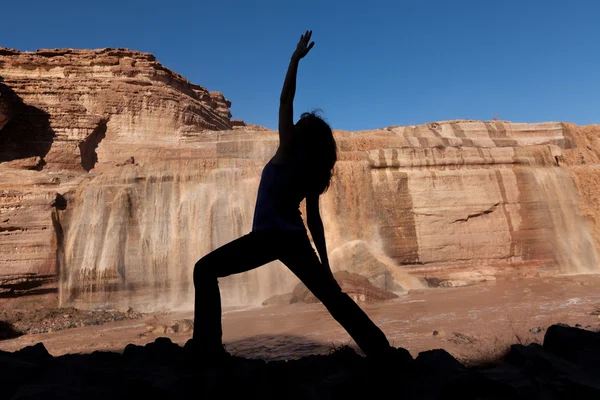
point(478, 214)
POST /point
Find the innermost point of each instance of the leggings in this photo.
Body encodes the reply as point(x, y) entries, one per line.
point(294, 249)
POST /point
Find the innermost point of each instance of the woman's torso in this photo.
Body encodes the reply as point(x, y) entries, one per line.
point(280, 192)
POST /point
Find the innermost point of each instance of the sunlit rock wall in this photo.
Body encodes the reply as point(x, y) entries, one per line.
point(117, 175)
point(423, 205)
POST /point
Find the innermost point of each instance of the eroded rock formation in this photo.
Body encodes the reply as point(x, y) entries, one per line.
point(65, 102)
point(151, 173)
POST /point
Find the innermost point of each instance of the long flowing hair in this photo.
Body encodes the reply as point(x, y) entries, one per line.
point(320, 151)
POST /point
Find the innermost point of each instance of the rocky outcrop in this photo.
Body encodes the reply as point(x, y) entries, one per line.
point(405, 200)
point(28, 237)
point(358, 257)
point(5, 106)
point(566, 366)
point(153, 174)
point(583, 162)
point(65, 102)
point(61, 112)
point(354, 285)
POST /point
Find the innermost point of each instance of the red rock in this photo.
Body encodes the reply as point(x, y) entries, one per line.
point(75, 99)
point(5, 107)
point(356, 286)
point(460, 201)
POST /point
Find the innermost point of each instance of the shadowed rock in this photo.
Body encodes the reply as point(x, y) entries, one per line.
point(8, 331)
point(575, 345)
point(163, 369)
point(26, 131)
point(5, 108)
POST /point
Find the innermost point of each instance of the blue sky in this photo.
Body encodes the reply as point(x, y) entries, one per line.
point(375, 63)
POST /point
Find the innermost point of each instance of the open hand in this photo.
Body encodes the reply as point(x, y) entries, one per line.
point(303, 47)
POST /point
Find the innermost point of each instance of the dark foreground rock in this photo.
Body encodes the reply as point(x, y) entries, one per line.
point(564, 368)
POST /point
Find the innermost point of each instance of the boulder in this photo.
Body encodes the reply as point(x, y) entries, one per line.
point(574, 344)
point(356, 286)
point(280, 299)
point(183, 325)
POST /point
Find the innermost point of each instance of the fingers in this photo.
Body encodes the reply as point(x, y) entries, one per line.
point(304, 40)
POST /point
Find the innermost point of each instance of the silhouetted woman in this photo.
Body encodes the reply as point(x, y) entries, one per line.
point(301, 168)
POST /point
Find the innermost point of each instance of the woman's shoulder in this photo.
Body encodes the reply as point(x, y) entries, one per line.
point(290, 157)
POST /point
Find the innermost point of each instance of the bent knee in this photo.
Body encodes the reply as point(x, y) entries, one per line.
point(203, 270)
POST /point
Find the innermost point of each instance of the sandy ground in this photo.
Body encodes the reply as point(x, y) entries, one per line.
point(474, 323)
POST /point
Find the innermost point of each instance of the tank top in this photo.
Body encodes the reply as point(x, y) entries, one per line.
point(280, 192)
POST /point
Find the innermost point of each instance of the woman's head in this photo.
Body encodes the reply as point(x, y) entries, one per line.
point(316, 139)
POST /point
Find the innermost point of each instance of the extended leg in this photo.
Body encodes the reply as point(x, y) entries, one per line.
point(304, 263)
point(243, 254)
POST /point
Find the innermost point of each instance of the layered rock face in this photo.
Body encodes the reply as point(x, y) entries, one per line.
point(56, 107)
point(479, 194)
point(65, 102)
point(152, 174)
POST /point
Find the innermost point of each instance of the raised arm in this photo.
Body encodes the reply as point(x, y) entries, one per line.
point(286, 101)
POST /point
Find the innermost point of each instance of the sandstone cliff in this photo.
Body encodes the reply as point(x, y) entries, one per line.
point(120, 174)
point(56, 108)
point(65, 102)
